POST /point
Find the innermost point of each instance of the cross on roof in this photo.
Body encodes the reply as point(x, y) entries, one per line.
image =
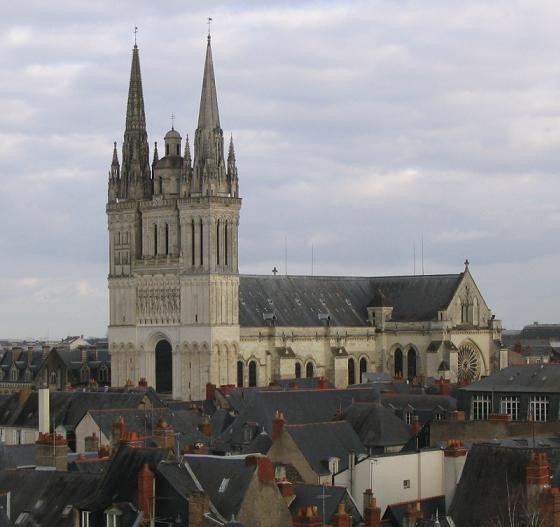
point(209, 22)
point(274, 271)
point(172, 120)
point(135, 32)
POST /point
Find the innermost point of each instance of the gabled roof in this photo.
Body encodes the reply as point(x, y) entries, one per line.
point(329, 496)
point(376, 425)
point(320, 441)
point(224, 479)
point(298, 300)
point(540, 331)
point(419, 402)
point(395, 513)
point(528, 378)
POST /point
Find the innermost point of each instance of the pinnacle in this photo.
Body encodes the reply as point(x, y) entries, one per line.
point(208, 116)
point(115, 161)
point(135, 116)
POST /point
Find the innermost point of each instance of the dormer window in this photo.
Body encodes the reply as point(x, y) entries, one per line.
point(113, 517)
point(85, 519)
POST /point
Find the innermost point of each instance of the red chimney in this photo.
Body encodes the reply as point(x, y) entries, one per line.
point(443, 386)
point(372, 514)
point(104, 452)
point(277, 425)
point(131, 439)
point(145, 492)
point(307, 517)
point(205, 426)
point(286, 488)
point(210, 392)
point(341, 518)
point(264, 466)
point(119, 429)
point(412, 514)
point(454, 448)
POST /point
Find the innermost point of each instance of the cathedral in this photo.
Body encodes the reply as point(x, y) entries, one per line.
point(182, 316)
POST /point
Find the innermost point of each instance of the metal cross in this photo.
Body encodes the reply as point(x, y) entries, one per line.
point(274, 271)
point(135, 31)
point(172, 121)
point(209, 22)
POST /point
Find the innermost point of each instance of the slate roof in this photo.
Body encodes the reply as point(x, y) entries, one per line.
point(259, 445)
point(119, 481)
point(376, 425)
point(66, 408)
point(13, 456)
point(422, 405)
point(395, 513)
point(320, 441)
point(298, 300)
point(45, 494)
point(212, 473)
point(529, 378)
point(178, 477)
point(298, 406)
point(312, 495)
point(490, 472)
point(540, 331)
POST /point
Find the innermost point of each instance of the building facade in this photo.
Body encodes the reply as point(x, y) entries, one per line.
point(181, 316)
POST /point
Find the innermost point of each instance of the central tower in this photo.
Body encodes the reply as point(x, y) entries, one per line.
point(173, 277)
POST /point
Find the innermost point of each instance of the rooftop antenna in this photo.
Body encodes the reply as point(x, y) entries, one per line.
point(422, 241)
point(135, 32)
point(209, 22)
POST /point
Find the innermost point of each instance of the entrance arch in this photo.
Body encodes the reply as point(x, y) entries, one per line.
point(164, 367)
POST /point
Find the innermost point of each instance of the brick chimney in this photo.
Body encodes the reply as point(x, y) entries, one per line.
point(341, 518)
point(52, 451)
point(307, 517)
point(412, 514)
point(456, 415)
point(104, 452)
point(205, 426)
point(277, 425)
point(146, 492)
point(372, 513)
point(368, 494)
point(131, 439)
point(416, 425)
point(210, 392)
point(163, 435)
point(549, 506)
point(538, 474)
point(286, 488)
point(264, 466)
point(119, 428)
point(199, 504)
point(443, 386)
point(91, 443)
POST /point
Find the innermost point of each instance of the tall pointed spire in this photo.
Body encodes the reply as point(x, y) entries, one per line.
point(136, 173)
point(114, 175)
point(233, 183)
point(208, 116)
point(209, 171)
point(187, 156)
point(115, 162)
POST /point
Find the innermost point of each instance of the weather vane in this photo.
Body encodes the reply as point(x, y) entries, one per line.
point(172, 120)
point(135, 31)
point(209, 22)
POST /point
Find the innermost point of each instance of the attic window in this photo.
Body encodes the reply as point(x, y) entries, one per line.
point(406, 484)
point(223, 485)
point(66, 511)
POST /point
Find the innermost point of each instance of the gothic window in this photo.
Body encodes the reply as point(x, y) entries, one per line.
point(166, 238)
point(398, 358)
point(102, 374)
point(351, 371)
point(192, 242)
point(239, 373)
point(13, 374)
point(298, 370)
point(84, 374)
point(509, 405)
point(363, 368)
point(160, 185)
point(52, 378)
point(218, 242)
point(201, 243)
point(252, 373)
point(480, 407)
point(309, 370)
point(226, 243)
point(27, 375)
point(408, 417)
point(538, 408)
point(155, 240)
point(411, 363)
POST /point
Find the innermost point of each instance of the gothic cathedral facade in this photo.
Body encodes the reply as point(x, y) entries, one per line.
point(182, 316)
point(173, 270)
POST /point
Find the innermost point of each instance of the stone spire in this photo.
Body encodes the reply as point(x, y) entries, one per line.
point(187, 156)
point(114, 175)
point(136, 174)
point(233, 182)
point(187, 173)
point(156, 155)
point(209, 176)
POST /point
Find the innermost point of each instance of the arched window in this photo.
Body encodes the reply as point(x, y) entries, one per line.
point(155, 240)
point(411, 363)
point(351, 371)
point(398, 373)
point(13, 373)
point(102, 374)
point(363, 368)
point(252, 373)
point(27, 375)
point(298, 370)
point(192, 243)
point(84, 374)
point(166, 238)
point(218, 242)
point(239, 373)
point(167, 149)
point(201, 243)
point(309, 370)
point(178, 150)
point(52, 378)
point(226, 255)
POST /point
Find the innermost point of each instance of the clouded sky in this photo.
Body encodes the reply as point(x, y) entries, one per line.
point(360, 127)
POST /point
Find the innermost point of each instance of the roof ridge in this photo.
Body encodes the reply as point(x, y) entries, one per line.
point(349, 277)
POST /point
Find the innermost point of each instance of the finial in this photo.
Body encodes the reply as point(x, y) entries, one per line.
point(274, 271)
point(209, 22)
point(135, 32)
point(172, 121)
point(467, 263)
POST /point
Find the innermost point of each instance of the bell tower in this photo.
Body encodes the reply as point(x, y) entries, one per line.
point(174, 278)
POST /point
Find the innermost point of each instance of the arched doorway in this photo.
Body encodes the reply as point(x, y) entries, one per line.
point(252, 373)
point(351, 371)
point(398, 359)
point(411, 363)
point(309, 370)
point(298, 370)
point(363, 368)
point(164, 367)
